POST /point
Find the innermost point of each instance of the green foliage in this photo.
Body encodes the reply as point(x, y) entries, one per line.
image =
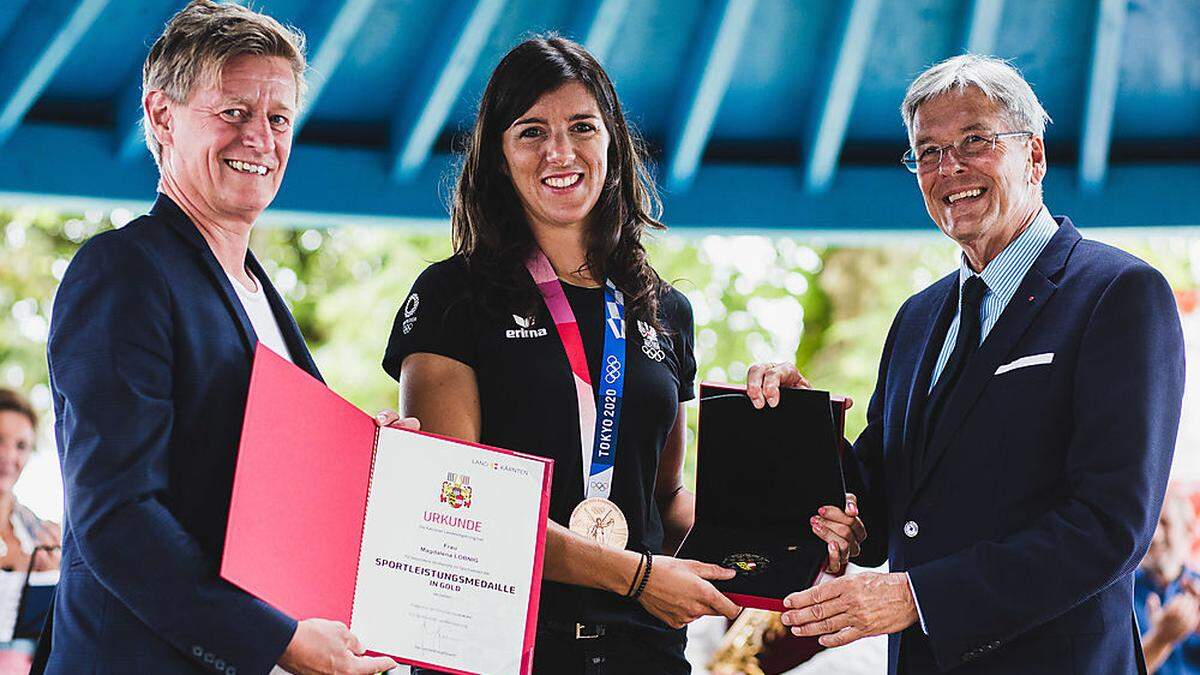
point(344, 286)
point(36, 245)
point(755, 299)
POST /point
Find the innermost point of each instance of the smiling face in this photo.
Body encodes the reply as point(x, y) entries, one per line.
point(1172, 542)
point(556, 154)
point(16, 444)
point(226, 149)
point(981, 202)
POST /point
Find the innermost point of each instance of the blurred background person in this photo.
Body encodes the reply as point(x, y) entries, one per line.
point(29, 546)
point(1166, 593)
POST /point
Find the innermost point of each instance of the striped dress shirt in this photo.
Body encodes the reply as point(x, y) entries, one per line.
point(1001, 276)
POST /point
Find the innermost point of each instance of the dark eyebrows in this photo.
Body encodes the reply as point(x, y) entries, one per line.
point(529, 120)
point(539, 120)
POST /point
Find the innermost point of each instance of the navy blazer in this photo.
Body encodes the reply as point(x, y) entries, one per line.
point(150, 352)
point(1041, 486)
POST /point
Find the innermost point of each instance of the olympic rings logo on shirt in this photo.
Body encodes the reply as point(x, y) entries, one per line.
point(653, 351)
point(612, 369)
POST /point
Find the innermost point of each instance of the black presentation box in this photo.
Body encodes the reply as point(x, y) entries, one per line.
point(760, 476)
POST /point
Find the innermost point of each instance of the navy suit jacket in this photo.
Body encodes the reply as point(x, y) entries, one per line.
point(1041, 486)
point(150, 352)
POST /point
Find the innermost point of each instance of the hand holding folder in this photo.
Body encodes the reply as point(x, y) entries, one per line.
point(428, 549)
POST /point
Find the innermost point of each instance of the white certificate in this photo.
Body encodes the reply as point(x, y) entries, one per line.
point(429, 548)
point(450, 544)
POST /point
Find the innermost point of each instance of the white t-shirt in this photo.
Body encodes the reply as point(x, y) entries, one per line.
point(258, 309)
point(261, 317)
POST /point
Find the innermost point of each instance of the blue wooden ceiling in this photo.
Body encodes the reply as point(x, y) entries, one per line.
point(762, 114)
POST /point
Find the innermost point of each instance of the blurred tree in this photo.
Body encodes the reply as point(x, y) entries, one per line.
point(36, 244)
point(754, 298)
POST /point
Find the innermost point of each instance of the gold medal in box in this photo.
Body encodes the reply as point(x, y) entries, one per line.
point(746, 564)
point(601, 521)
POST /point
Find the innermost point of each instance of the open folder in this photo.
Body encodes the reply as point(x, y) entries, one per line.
point(428, 548)
point(760, 476)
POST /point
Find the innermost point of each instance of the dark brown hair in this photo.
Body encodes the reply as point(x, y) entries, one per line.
point(11, 401)
point(489, 225)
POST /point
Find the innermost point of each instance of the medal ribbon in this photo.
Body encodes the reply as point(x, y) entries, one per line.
point(597, 424)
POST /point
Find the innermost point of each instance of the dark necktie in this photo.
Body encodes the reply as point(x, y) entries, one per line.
point(964, 347)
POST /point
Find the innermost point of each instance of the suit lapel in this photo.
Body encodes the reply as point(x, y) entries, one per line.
point(183, 225)
point(287, 323)
point(1027, 302)
point(171, 213)
point(914, 411)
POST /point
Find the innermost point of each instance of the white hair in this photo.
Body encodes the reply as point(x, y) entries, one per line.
point(996, 78)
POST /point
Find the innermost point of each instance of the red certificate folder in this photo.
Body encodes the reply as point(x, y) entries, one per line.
point(298, 512)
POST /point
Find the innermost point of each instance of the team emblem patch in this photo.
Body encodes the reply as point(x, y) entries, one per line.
point(650, 344)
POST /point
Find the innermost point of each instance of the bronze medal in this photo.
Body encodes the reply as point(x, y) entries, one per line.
point(601, 521)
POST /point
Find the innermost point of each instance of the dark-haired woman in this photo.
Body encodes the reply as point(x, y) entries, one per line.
point(549, 318)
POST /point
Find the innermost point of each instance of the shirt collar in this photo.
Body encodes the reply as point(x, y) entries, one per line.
point(1004, 273)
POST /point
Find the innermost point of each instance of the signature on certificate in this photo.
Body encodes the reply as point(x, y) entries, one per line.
point(439, 637)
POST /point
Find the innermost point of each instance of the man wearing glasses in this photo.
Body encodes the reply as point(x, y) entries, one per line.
point(1021, 431)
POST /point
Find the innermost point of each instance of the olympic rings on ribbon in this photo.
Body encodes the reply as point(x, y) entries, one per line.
point(612, 369)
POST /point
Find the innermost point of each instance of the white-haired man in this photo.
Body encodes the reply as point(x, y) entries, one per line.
point(150, 350)
point(1021, 431)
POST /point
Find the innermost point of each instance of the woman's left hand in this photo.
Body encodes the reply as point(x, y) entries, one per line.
point(841, 530)
point(391, 418)
point(50, 535)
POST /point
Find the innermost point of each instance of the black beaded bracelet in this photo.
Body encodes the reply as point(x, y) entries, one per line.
point(645, 577)
point(637, 573)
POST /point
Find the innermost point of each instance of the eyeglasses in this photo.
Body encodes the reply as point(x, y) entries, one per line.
point(928, 158)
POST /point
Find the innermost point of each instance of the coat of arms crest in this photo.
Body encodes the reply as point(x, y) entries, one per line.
point(456, 491)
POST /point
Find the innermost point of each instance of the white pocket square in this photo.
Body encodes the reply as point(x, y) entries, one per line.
point(1026, 361)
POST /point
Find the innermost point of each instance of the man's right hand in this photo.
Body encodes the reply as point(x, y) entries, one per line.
point(763, 381)
point(321, 647)
point(678, 591)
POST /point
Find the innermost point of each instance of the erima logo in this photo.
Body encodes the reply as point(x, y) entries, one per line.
point(526, 329)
